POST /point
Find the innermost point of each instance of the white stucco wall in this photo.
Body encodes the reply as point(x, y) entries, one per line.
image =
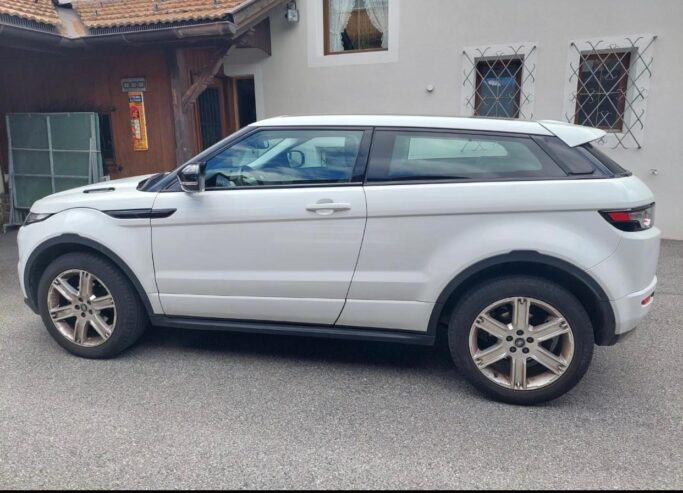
point(432, 35)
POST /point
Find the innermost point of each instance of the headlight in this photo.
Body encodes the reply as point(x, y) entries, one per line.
point(34, 217)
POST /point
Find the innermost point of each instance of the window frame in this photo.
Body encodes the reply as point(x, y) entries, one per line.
point(359, 167)
point(479, 80)
point(483, 133)
point(643, 48)
point(526, 51)
point(621, 55)
point(360, 170)
point(326, 35)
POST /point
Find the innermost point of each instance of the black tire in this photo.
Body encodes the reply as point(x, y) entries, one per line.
point(131, 319)
point(487, 293)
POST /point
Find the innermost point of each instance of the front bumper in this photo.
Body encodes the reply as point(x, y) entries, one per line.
point(29, 304)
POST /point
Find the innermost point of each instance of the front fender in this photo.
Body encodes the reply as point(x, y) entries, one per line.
point(125, 242)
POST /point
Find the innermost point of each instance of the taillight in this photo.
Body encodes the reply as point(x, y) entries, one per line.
point(638, 219)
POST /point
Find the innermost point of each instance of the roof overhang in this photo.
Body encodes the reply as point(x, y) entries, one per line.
point(184, 33)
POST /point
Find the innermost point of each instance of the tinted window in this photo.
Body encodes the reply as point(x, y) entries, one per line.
point(575, 162)
point(286, 157)
point(604, 159)
point(405, 155)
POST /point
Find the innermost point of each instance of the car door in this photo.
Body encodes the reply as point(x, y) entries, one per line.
point(276, 234)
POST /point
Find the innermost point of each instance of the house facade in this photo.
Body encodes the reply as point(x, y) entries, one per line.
point(148, 72)
point(609, 63)
point(209, 67)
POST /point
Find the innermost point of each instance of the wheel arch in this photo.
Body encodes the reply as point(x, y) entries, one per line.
point(579, 282)
point(50, 249)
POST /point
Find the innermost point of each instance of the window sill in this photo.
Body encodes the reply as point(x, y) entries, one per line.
point(353, 52)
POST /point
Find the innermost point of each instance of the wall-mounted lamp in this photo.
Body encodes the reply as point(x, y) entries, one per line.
point(292, 14)
point(430, 88)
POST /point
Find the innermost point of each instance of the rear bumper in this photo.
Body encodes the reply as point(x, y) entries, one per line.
point(630, 310)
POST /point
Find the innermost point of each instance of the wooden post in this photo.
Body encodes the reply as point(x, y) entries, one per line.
point(176, 65)
point(203, 79)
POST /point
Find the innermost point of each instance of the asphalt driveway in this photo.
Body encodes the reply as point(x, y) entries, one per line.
point(213, 410)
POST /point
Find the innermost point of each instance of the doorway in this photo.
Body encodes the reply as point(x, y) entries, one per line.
point(209, 117)
point(244, 97)
point(225, 106)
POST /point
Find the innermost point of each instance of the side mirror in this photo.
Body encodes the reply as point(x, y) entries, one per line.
point(296, 159)
point(191, 177)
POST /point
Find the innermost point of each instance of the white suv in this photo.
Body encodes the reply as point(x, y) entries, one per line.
point(520, 241)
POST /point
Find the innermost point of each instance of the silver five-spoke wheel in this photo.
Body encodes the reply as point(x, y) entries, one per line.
point(81, 307)
point(521, 343)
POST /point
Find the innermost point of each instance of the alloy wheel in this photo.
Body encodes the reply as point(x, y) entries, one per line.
point(521, 343)
point(81, 307)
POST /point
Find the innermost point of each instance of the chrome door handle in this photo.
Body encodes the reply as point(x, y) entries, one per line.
point(326, 207)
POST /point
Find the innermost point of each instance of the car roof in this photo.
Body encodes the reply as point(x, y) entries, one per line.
point(571, 134)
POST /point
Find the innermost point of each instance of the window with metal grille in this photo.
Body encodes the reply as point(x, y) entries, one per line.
point(210, 128)
point(608, 86)
point(601, 91)
point(498, 80)
point(498, 88)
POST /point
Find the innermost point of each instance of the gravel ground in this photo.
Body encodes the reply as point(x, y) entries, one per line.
point(214, 410)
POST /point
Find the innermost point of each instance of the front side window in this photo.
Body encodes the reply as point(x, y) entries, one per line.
point(434, 156)
point(601, 91)
point(498, 88)
point(286, 157)
point(355, 25)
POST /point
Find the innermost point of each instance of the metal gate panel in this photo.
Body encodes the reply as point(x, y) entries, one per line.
point(48, 153)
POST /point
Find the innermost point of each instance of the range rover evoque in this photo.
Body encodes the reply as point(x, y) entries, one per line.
point(521, 242)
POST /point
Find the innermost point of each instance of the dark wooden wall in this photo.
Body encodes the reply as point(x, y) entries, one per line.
point(196, 59)
point(41, 82)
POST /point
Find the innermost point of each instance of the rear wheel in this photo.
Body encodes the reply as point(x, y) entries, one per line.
point(89, 307)
point(521, 340)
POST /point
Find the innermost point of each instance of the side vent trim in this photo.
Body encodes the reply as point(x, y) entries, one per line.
point(140, 213)
point(99, 190)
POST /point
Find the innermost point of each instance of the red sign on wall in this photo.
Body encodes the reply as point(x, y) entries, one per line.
point(136, 108)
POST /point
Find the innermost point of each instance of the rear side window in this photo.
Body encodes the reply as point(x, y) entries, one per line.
point(433, 156)
point(604, 159)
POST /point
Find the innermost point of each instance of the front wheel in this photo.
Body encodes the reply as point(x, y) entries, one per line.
point(89, 306)
point(521, 340)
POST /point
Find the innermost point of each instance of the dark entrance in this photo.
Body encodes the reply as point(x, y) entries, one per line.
point(245, 101)
point(209, 109)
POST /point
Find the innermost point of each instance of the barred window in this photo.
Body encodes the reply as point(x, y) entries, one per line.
point(498, 87)
point(601, 90)
point(608, 86)
point(498, 80)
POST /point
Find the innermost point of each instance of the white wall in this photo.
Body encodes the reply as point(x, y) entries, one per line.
point(431, 37)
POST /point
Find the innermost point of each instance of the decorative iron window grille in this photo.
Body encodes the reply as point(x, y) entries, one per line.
point(498, 81)
point(608, 82)
point(601, 92)
point(498, 88)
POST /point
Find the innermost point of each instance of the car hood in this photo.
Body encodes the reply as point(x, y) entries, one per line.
point(104, 196)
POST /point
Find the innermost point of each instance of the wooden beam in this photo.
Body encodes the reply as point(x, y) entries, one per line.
point(257, 37)
point(204, 77)
point(176, 65)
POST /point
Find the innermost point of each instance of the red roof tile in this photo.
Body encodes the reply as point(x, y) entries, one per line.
point(108, 13)
point(33, 10)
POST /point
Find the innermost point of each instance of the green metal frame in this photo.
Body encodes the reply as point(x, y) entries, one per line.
point(49, 153)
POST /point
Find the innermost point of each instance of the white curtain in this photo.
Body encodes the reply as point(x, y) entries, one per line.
point(340, 12)
point(378, 11)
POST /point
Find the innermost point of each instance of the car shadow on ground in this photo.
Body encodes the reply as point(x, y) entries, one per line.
point(310, 349)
